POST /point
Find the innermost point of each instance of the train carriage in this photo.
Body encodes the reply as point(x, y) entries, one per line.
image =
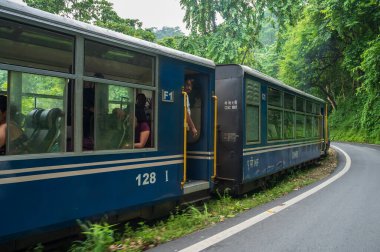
point(71, 88)
point(265, 126)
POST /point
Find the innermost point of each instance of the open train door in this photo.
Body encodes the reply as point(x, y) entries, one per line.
point(199, 146)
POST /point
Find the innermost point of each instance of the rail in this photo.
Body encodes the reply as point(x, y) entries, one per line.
point(215, 132)
point(326, 127)
point(184, 138)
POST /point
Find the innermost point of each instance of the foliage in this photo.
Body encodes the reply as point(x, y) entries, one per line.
point(165, 32)
point(98, 238)
point(312, 58)
point(361, 124)
point(335, 47)
point(97, 12)
point(236, 36)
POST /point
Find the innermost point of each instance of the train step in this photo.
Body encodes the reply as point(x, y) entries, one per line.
point(192, 186)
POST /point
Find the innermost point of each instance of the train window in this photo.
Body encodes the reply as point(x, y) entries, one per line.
point(252, 116)
point(309, 107)
point(274, 97)
point(252, 123)
point(35, 115)
point(289, 125)
point(29, 46)
point(309, 126)
point(315, 108)
point(300, 104)
point(195, 100)
point(113, 119)
point(315, 126)
point(118, 64)
point(289, 101)
point(300, 126)
point(320, 127)
point(274, 124)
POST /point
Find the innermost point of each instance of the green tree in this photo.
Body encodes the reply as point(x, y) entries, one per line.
point(97, 12)
point(167, 32)
point(312, 58)
point(236, 37)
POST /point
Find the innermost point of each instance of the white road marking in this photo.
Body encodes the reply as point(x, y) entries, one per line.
point(270, 212)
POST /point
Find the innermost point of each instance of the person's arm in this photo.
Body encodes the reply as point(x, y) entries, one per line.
point(191, 125)
point(144, 135)
point(3, 131)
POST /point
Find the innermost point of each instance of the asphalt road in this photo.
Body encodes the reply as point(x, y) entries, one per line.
point(343, 216)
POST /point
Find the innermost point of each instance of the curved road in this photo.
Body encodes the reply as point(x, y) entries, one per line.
point(343, 216)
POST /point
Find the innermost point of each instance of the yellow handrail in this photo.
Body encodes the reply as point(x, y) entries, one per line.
point(326, 127)
point(184, 138)
point(215, 132)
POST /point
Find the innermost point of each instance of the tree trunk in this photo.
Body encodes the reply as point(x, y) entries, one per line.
point(329, 96)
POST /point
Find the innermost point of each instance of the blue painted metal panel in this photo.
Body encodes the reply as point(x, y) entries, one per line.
point(263, 164)
point(31, 205)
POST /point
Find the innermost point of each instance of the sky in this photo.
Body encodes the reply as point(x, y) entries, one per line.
point(152, 13)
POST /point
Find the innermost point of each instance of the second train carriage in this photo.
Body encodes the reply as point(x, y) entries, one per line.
point(265, 126)
point(72, 89)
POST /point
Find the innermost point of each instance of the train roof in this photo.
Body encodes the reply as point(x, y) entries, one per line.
point(263, 76)
point(13, 10)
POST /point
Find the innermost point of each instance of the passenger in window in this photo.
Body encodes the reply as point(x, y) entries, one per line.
point(17, 137)
point(142, 130)
point(188, 88)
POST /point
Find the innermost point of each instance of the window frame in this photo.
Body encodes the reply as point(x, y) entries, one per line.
point(277, 108)
point(258, 104)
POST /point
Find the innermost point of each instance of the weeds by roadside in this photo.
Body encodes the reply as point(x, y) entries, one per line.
point(101, 237)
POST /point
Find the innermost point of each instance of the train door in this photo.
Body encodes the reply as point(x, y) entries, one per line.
point(199, 140)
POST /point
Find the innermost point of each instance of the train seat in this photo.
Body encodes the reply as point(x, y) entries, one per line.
point(46, 137)
point(31, 122)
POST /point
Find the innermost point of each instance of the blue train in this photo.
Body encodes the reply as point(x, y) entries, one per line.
point(70, 122)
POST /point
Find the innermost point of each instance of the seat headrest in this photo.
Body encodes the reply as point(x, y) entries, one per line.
point(48, 118)
point(31, 120)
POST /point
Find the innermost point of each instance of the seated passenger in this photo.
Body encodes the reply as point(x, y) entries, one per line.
point(142, 130)
point(17, 138)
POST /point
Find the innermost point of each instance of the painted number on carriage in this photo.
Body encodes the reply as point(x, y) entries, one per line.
point(146, 179)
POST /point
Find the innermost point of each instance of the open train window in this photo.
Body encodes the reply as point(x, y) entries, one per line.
point(195, 101)
point(116, 117)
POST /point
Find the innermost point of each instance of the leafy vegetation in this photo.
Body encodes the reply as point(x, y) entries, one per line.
point(97, 12)
point(166, 32)
point(98, 238)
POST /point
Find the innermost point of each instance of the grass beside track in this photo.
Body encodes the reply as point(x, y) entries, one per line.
point(103, 237)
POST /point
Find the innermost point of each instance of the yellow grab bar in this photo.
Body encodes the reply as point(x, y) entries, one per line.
point(215, 132)
point(326, 127)
point(184, 138)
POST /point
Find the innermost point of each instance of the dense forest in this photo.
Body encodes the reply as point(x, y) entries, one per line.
point(330, 48)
